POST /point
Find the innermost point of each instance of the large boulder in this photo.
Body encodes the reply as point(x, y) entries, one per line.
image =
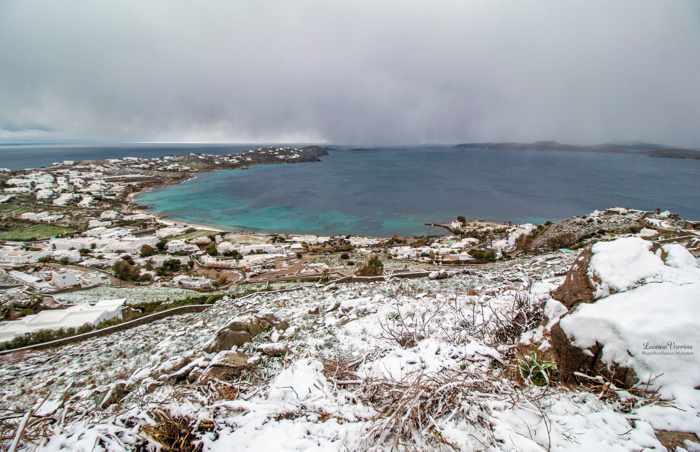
point(242, 330)
point(606, 268)
point(637, 320)
point(577, 287)
point(572, 358)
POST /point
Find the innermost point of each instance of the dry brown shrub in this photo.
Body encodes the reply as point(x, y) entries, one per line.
point(174, 433)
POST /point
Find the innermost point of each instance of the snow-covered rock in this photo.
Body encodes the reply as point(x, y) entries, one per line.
point(65, 199)
point(644, 327)
point(225, 247)
point(193, 282)
point(302, 381)
point(109, 215)
point(628, 262)
point(180, 246)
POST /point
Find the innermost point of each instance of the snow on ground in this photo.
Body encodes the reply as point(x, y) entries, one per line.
point(570, 422)
point(132, 295)
point(72, 317)
point(392, 334)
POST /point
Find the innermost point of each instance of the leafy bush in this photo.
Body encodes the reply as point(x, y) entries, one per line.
point(160, 246)
point(126, 271)
point(147, 251)
point(211, 249)
point(169, 266)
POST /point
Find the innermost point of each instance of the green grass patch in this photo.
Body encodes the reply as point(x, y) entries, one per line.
point(14, 208)
point(32, 231)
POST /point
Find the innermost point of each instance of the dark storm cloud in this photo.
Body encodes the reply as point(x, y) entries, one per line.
point(353, 72)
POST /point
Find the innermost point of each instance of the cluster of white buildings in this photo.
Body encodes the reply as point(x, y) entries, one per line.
point(64, 186)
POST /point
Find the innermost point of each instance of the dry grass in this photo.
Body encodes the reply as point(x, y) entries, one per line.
point(408, 410)
point(407, 329)
point(341, 371)
point(506, 325)
point(175, 433)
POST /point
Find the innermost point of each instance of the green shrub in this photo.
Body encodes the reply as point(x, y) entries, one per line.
point(160, 246)
point(211, 249)
point(536, 371)
point(169, 266)
point(234, 254)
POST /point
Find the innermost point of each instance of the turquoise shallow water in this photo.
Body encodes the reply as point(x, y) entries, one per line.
point(395, 191)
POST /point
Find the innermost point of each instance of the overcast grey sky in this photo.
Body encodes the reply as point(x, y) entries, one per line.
point(361, 72)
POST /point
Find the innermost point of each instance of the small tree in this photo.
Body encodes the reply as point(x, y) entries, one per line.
point(126, 271)
point(169, 266)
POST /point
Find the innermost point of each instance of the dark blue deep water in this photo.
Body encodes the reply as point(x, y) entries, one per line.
point(396, 190)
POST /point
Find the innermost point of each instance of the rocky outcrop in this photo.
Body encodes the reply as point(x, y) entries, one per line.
point(243, 329)
point(577, 287)
point(481, 230)
point(573, 231)
point(227, 365)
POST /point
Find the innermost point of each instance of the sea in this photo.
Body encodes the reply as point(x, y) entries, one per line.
point(397, 190)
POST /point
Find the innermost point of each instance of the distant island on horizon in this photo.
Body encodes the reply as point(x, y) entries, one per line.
point(639, 148)
point(650, 149)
